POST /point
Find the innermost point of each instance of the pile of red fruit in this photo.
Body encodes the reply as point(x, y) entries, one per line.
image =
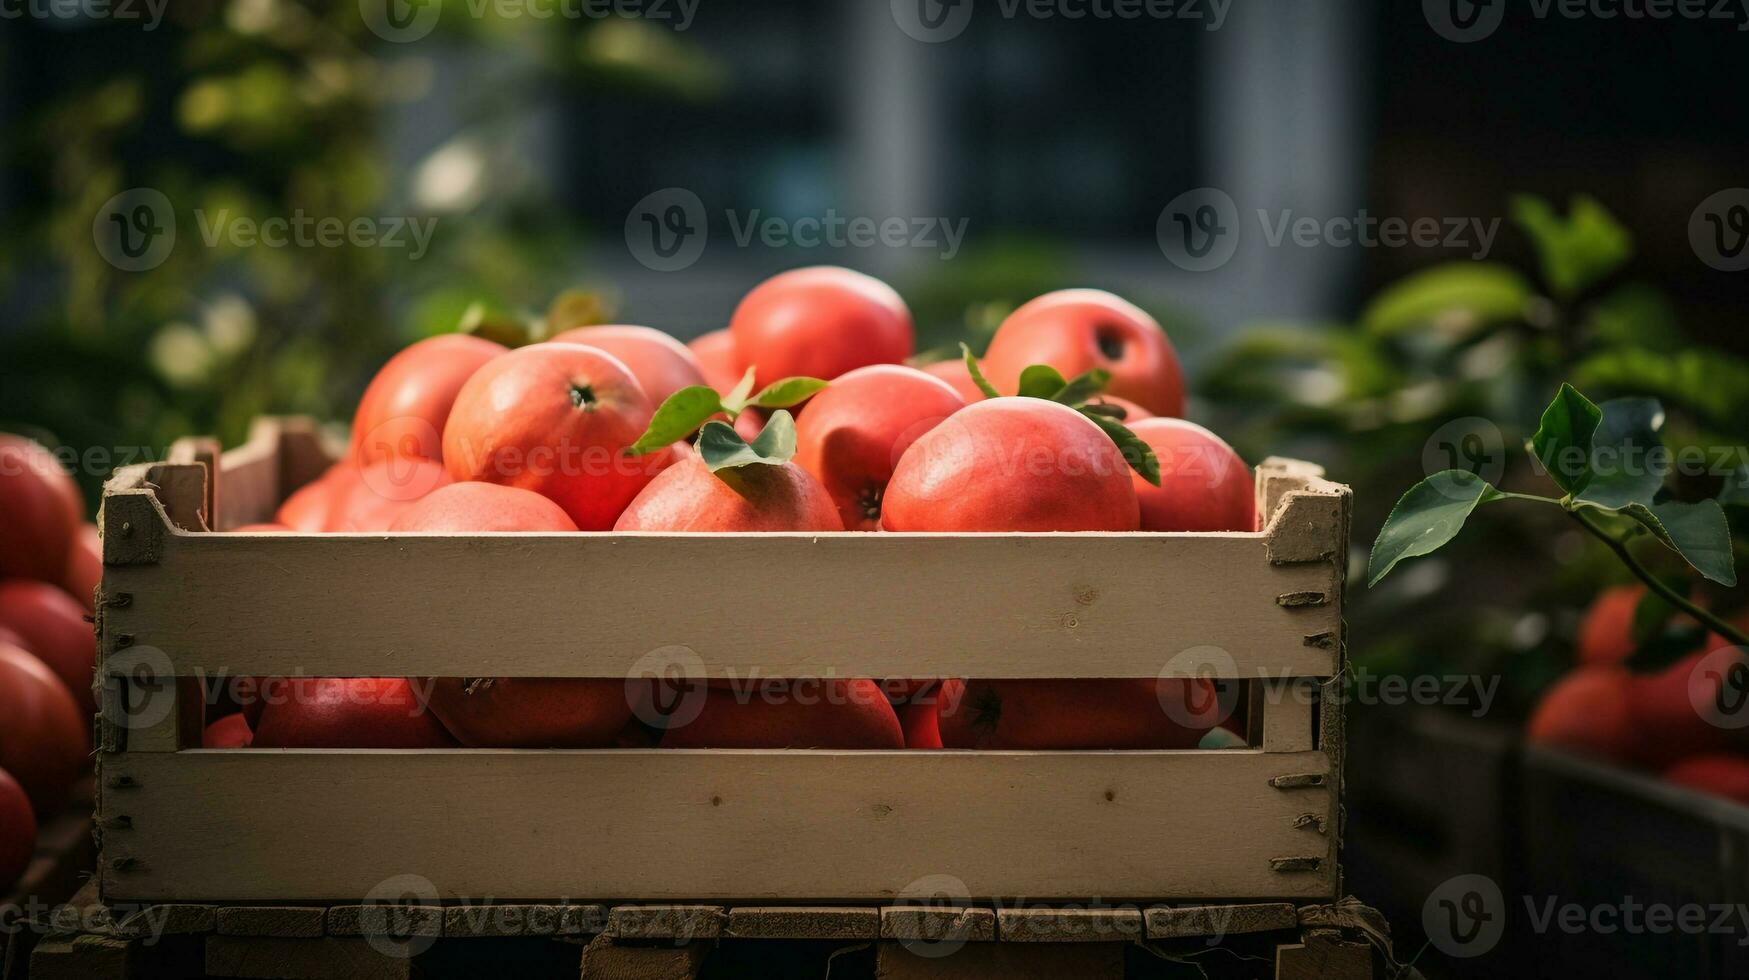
point(49, 569)
point(1686, 720)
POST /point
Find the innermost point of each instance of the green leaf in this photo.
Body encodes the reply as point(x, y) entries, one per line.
point(679, 416)
point(1455, 299)
point(788, 392)
point(1563, 441)
point(721, 447)
point(1698, 532)
point(1710, 382)
point(494, 325)
point(736, 399)
point(1428, 516)
point(1135, 452)
point(1576, 251)
point(1628, 459)
point(1107, 409)
point(1041, 381)
point(984, 386)
point(776, 442)
point(1083, 386)
point(1635, 315)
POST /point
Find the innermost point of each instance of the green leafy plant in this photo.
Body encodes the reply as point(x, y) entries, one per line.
point(1608, 460)
point(689, 410)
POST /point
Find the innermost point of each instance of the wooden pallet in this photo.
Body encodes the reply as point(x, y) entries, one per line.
point(673, 942)
point(177, 602)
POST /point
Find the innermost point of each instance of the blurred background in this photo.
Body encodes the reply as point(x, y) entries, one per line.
point(1578, 170)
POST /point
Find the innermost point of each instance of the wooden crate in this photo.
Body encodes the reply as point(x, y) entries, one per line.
point(185, 824)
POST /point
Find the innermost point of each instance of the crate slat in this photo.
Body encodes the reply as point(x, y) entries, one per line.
point(678, 825)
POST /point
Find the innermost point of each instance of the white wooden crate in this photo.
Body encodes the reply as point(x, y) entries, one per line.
point(183, 823)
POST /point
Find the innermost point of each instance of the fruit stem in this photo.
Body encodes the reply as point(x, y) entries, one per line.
point(1665, 592)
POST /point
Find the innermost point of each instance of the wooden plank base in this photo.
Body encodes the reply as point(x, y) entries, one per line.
point(1002, 961)
point(607, 959)
point(652, 825)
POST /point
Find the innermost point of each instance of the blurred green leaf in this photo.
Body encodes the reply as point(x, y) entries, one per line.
point(977, 374)
point(1578, 250)
point(721, 447)
point(1710, 382)
point(1634, 315)
point(1082, 387)
point(1455, 299)
point(1041, 381)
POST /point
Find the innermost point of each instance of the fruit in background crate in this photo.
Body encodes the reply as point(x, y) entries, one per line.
point(919, 716)
point(531, 712)
point(382, 492)
point(1078, 330)
point(1606, 631)
point(1720, 774)
point(44, 740)
point(1589, 711)
point(809, 713)
point(555, 419)
point(474, 506)
point(1666, 706)
point(40, 509)
point(732, 485)
point(820, 322)
point(269, 527)
point(1012, 464)
point(52, 624)
point(17, 832)
point(1138, 713)
point(84, 566)
point(310, 506)
point(1204, 485)
point(854, 433)
point(230, 732)
point(404, 408)
point(958, 377)
point(349, 713)
point(717, 358)
point(661, 364)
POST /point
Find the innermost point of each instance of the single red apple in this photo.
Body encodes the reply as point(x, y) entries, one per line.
point(854, 433)
point(760, 497)
point(1204, 485)
point(1077, 330)
point(403, 410)
point(555, 419)
point(1012, 464)
point(820, 322)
